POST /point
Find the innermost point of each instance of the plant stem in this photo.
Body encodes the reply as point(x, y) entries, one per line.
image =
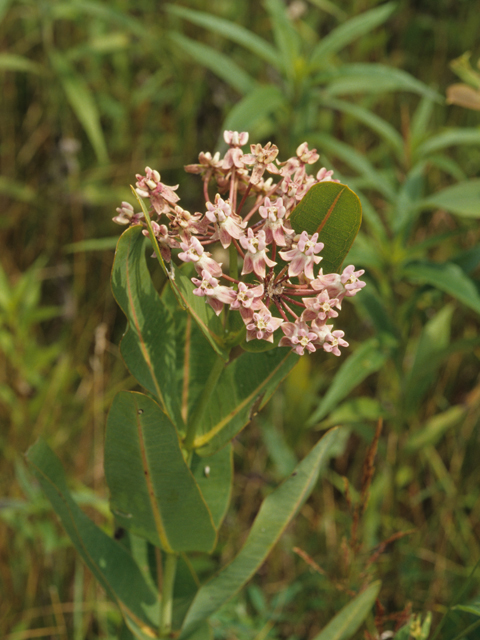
point(167, 594)
point(215, 372)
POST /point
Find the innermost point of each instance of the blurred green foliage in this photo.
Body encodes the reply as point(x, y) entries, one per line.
point(91, 92)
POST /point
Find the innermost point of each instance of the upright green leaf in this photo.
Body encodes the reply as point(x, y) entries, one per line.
point(429, 353)
point(463, 199)
point(347, 621)
point(243, 389)
point(350, 31)
point(254, 108)
point(82, 102)
point(153, 492)
point(230, 30)
point(335, 212)
point(365, 360)
point(148, 346)
point(286, 37)
point(214, 475)
point(447, 277)
point(109, 562)
point(217, 62)
point(276, 512)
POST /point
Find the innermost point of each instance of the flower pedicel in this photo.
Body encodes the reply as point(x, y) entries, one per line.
point(282, 290)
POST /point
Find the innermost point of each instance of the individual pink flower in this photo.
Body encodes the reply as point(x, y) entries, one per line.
point(207, 164)
point(217, 295)
point(248, 297)
point(325, 176)
point(127, 215)
point(256, 258)
point(302, 255)
point(260, 157)
point(186, 223)
point(274, 215)
point(306, 155)
point(262, 325)
point(161, 196)
point(227, 223)
point(339, 286)
point(329, 340)
point(193, 251)
point(298, 336)
point(320, 307)
point(235, 139)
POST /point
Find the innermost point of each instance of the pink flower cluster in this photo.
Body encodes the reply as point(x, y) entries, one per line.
point(249, 215)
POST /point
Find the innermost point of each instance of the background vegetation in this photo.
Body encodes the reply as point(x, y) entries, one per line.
point(91, 93)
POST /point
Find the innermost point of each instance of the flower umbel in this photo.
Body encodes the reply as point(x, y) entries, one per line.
point(281, 285)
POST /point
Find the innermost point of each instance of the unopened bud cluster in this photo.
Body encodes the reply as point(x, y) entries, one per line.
point(249, 215)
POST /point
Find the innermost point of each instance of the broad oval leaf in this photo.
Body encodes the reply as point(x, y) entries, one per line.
point(148, 346)
point(244, 387)
point(275, 514)
point(348, 620)
point(335, 212)
point(153, 492)
point(109, 562)
point(214, 475)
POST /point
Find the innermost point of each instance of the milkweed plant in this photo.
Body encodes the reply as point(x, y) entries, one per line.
point(252, 282)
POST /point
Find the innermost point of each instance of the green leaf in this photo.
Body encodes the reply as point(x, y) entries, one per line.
point(14, 62)
point(449, 138)
point(153, 492)
point(473, 608)
point(286, 37)
point(253, 108)
point(148, 346)
point(92, 244)
point(82, 102)
point(447, 277)
point(463, 199)
point(360, 77)
point(245, 386)
point(365, 360)
point(355, 160)
point(275, 514)
point(377, 124)
point(109, 562)
point(335, 212)
point(230, 30)
point(200, 310)
point(429, 353)
point(348, 620)
point(214, 475)
point(215, 61)
point(434, 428)
point(346, 33)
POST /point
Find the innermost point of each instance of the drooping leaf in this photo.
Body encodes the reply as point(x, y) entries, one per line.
point(276, 512)
point(473, 608)
point(449, 138)
point(148, 346)
point(462, 198)
point(243, 389)
point(435, 427)
point(109, 562)
point(335, 212)
point(216, 61)
point(347, 621)
point(15, 62)
point(365, 360)
point(286, 37)
point(230, 30)
point(350, 31)
point(364, 77)
point(214, 475)
point(153, 492)
point(82, 102)
point(447, 277)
